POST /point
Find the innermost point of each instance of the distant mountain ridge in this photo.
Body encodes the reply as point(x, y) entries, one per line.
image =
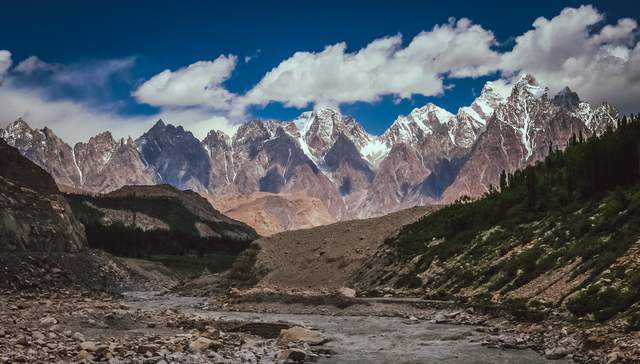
point(427, 156)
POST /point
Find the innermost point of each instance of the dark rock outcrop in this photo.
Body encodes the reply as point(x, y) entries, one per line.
point(176, 155)
point(34, 217)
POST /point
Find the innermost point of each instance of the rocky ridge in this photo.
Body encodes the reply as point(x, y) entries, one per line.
point(427, 156)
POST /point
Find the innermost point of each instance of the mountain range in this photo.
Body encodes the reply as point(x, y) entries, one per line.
point(428, 156)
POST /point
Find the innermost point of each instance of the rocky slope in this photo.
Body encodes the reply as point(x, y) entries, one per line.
point(103, 163)
point(176, 156)
point(428, 156)
point(34, 217)
point(271, 213)
point(562, 234)
point(324, 256)
point(521, 131)
point(43, 245)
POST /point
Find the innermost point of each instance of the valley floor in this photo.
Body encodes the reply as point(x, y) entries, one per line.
point(150, 327)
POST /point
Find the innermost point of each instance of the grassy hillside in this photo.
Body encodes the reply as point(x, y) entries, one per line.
point(563, 232)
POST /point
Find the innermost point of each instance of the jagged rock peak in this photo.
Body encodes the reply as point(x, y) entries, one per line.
point(19, 123)
point(105, 136)
point(528, 84)
point(17, 126)
point(566, 100)
point(218, 134)
point(430, 109)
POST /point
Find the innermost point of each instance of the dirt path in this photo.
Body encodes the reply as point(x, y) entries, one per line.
point(366, 339)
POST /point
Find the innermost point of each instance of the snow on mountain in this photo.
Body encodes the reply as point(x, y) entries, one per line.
point(479, 112)
point(426, 156)
point(319, 129)
point(598, 118)
point(411, 129)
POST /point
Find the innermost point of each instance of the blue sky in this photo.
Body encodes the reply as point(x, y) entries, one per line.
point(81, 40)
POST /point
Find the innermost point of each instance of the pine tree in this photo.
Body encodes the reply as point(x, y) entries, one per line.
point(503, 180)
point(531, 181)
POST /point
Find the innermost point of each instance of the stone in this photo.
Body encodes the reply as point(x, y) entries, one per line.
point(84, 355)
point(557, 353)
point(22, 340)
point(300, 334)
point(440, 318)
point(347, 292)
point(614, 357)
point(78, 337)
point(295, 355)
point(89, 346)
point(38, 335)
point(201, 344)
point(48, 321)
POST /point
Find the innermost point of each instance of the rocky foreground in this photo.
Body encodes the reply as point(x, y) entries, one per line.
point(150, 327)
point(553, 336)
point(75, 326)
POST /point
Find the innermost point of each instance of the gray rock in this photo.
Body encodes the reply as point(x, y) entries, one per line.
point(295, 355)
point(48, 321)
point(201, 344)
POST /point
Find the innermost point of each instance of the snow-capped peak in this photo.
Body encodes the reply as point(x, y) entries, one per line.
point(318, 130)
point(479, 112)
point(18, 130)
point(431, 112)
point(528, 84)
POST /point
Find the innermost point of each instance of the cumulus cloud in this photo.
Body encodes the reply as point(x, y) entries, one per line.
point(334, 76)
point(70, 120)
point(199, 84)
point(75, 121)
point(33, 64)
point(569, 50)
point(5, 62)
point(576, 48)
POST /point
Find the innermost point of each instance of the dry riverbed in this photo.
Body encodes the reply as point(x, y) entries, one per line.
point(72, 326)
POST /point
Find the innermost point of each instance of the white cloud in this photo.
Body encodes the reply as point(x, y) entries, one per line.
point(72, 121)
point(5, 62)
point(93, 75)
point(33, 64)
point(199, 84)
point(569, 50)
point(335, 76)
point(75, 121)
point(576, 48)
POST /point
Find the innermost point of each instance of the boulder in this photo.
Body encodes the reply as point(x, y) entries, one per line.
point(558, 352)
point(78, 337)
point(89, 346)
point(201, 344)
point(295, 355)
point(347, 292)
point(48, 321)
